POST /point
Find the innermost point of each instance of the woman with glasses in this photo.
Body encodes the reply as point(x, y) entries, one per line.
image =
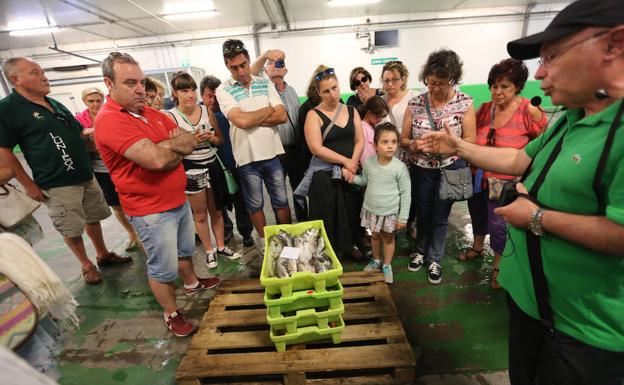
point(336, 148)
point(509, 120)
point(443, 105)
point(360, 81)
point(205, 182)
point(154, 93)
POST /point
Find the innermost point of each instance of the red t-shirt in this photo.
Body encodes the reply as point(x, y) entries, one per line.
point(141, 192)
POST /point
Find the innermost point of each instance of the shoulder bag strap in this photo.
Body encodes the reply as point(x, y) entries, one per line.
point(333, 121)
point(428, 109)
point(605, 155)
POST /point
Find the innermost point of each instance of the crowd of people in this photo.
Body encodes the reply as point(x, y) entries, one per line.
point(372, 165)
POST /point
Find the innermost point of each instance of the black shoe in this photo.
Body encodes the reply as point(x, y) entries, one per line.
point(435, 273)
point(248, 241)
point(416, 261)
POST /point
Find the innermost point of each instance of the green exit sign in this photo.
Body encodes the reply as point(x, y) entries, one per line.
point(185, 63)
point(382, 60)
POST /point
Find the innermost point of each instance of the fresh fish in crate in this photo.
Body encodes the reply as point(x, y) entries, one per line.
point(319, 266)
point(281, 268)
point(307, 241)
point(305, 266)
point(291, 266)
point(288, 239)
point(320, 247)
point(276, 245)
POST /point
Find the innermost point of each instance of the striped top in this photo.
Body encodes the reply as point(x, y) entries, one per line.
point(205, 152)
point(516, 133)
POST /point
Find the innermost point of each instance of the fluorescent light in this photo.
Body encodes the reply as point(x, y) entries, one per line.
point(350, 3)
point(188, 6)
point(190, 15)
point(34, 31)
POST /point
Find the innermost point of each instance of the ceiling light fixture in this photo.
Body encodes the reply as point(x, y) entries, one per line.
point(350, 3)
point(34, 31)
point(190, 15)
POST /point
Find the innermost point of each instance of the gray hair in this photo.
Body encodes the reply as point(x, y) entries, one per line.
point(10, 67)
point(210, 82)
point(111, 59)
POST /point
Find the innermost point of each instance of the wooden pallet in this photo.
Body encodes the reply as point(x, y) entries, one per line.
point(232, 345)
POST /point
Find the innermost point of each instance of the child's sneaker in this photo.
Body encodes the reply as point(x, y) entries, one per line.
point(202, 284)
point(416, 261)
point(435, 273)
point(387, 272)
point(179, 325)
point(373, 265)
point(211, 259)
point(227, 253)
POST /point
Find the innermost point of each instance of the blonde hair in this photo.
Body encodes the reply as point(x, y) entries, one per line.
point(91, 90)
point(399, 67)
point(159, 85)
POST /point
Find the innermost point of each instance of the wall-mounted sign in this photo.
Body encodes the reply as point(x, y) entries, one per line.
point(382, 60)
point(185, 63)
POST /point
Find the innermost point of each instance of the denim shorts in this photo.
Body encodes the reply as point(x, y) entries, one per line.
point(271, 172)
point(166, 236)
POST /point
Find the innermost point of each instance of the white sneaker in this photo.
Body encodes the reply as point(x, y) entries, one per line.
point(211, 259)
point(227, 253)
point(373, 265)
point(387, 272)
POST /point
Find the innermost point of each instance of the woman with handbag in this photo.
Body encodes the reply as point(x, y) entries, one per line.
point(334, 135)
point(443, 105)
point(509, 120)
point(206, 183)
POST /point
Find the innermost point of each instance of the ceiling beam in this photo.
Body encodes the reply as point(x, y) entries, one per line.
point(279, 4)
point(269, 13)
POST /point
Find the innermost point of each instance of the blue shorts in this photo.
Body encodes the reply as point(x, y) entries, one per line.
point(166, 236)
point(271, 172)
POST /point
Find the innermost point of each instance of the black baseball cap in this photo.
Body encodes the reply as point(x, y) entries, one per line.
point(573, 18)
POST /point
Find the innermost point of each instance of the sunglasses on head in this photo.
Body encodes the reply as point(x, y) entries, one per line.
point(356, 83)
point(238, 48)
point(279, 64)
point(328, 72)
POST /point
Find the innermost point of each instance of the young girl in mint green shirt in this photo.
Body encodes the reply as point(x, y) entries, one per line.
point(387, 198)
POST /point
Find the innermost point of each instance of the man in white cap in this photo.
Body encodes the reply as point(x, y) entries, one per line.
point(563, 267)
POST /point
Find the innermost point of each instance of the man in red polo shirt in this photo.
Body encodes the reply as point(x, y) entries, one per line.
point(143, 150)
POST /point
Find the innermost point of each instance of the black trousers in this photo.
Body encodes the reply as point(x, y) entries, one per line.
point(542, 356)
point(293, 164)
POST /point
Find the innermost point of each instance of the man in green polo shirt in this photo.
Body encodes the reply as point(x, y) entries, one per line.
point(563, 266)
point(51, 141)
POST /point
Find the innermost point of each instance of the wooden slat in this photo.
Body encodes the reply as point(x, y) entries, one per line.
point(238, 299)
point(240, 285)
point(360, 277)
point(342, 358)
point(358, 380)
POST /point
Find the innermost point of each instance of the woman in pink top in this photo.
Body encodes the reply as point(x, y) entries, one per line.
point(374, 111)
point(509, 120)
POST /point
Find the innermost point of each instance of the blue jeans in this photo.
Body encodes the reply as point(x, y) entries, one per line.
point(166, 236)
point(433, 213)
point(271, 172)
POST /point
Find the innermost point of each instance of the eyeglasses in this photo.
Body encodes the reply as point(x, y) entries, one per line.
point(328, 72)
point(237, 48)
point(431, 83)
point(546, 59)
point(391, 80)
point(279, 64)
point(356, 83)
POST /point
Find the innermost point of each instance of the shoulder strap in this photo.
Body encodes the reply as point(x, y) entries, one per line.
point(605, 155)
point(333, 121)
point(428, 109)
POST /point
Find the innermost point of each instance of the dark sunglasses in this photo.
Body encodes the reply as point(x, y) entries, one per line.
point(328, 72)
point(356, 83)
point(279, 64)
point(238, 48)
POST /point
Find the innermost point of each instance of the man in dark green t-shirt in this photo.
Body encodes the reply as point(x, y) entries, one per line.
point(50, 138)
point(563, 266)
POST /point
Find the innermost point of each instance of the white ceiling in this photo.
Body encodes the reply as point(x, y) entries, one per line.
point(84, 21)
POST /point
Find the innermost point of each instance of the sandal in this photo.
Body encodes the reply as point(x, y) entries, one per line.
point(91, 275)
point(469, 254)
point(494, 283)
point(113, 258)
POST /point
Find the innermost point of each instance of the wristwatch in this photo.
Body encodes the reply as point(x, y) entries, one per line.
point(535, 226)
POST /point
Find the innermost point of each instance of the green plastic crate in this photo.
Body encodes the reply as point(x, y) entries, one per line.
point(305, 317)
point(331, 298)
point(299, 280)
point(307, 334)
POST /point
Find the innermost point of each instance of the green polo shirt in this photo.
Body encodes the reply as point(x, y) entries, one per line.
point(586, 287)
point(50, 141)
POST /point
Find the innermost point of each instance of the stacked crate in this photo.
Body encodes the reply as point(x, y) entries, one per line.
point(306, 306)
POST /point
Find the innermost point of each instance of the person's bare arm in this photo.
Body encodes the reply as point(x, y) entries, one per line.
point(272, 54)
point(249, 119)
point(277, 117)
point(215, 138)
point(503, 160)
point(469, 126)
point(181, 142)
point(153, 157)
point(9, 159)
point(589, 231)
point(358, 139)
point(6, 173)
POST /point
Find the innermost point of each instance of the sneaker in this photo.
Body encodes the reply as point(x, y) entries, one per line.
point(130, 244)
point(204, 284)
point(373, 265)
point(248, 241)
point(387, 272)
point(179, 325)
point(227, 253)
point(416, 261)
point(435, 273)
point(211, 259)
